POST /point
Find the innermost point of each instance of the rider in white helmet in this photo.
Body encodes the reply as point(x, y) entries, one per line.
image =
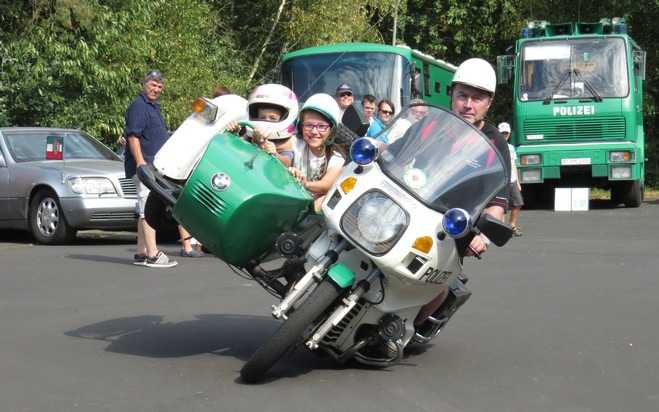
point(273, 110)
point(472, 93)
point(318, 162)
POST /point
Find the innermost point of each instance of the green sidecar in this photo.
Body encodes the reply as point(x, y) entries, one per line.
point(239, 199)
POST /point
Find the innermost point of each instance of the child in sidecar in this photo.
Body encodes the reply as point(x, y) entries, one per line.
point(318, 161)
point(272, 110)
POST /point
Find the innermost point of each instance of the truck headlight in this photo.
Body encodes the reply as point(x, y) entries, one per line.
point(621, 172)
point(615, 157)
point(92, 185)
point(531, 175)
point(375, 222)
point(533, 159)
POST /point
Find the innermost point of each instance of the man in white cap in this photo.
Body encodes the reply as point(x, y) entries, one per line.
point(515, 201)
point(472, 93)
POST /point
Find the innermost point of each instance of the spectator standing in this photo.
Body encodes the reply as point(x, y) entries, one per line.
point(344, 98)
point(516, 199)
point(220, 90)
point(368, 107)
point(146, 133)
point(386, 111)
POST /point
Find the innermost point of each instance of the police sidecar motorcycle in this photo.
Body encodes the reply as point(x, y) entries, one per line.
point(394, 231)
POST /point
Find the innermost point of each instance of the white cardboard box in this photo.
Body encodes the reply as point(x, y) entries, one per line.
point(570, 199)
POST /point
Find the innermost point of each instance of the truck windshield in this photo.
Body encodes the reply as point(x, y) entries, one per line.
point(383, 75)
point(580, 68)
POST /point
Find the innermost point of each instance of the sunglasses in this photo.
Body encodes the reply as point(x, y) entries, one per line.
point(154, 75)
point(387, 112)
point(344, 94)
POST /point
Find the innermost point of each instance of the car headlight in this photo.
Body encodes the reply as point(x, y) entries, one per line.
point(92, 185)
point(375, 222)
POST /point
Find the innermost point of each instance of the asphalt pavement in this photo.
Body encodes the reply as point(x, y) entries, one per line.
point(563, 319)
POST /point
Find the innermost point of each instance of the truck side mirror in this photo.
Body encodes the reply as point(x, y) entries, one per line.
point(505, 67)
point(639, 63)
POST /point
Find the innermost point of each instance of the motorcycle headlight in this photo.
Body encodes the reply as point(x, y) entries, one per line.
point(91, 185)
point(375, 222)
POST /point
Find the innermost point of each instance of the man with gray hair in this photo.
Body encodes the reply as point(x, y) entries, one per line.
point(146, 133)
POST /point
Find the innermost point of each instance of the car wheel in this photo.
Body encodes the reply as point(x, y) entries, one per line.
point(47, 222)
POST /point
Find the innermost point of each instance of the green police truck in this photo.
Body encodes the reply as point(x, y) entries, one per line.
point(578, 108)
point(397, 73)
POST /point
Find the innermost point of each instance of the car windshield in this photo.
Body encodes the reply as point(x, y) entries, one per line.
point(383, 75)
point(442, 160)
point(580, 68)
point(31, 146)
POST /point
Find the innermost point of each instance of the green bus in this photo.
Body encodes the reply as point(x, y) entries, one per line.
point(397, 73)
point(578, 108)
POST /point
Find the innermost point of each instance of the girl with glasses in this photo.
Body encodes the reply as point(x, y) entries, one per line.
point(317, 162)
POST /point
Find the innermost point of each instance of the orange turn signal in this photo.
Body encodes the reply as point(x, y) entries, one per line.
point(423, 244)
point(348, 184)
point(198, 105)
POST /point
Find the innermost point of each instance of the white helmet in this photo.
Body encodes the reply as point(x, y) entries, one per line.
point(324, 104)
point(278, 97)
point(504, 127)
point(476, 73)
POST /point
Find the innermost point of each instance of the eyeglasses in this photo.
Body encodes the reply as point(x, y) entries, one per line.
point(344, 94)
point(322, 127)
point(387, 112)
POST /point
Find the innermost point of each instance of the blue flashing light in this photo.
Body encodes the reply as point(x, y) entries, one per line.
point(621, 28)
point(364, 151)
point(525, 32)
point(456, 222)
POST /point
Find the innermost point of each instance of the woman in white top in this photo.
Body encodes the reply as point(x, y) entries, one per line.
point(317, 162)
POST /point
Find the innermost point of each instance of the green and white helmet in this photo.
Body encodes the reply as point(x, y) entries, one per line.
point(324, 104)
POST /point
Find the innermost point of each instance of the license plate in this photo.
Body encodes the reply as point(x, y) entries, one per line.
point(578, 161)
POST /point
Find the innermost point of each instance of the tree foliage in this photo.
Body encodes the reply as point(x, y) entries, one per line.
point(78, 63)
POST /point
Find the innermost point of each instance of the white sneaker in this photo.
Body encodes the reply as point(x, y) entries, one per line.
point(160, 261)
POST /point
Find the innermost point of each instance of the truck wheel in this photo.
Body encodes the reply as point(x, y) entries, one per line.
point(291, 332)
point(47, 222)
point(633, 194)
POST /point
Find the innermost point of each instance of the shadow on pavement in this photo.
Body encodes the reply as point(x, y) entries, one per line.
point(128, 260)
point(238, 336)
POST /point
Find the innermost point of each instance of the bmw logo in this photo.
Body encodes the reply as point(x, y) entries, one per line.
point(220, 181)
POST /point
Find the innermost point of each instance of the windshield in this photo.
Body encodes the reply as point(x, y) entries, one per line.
point(30, 146)
point(383, 75)
point(580, 68)
point(443, 160)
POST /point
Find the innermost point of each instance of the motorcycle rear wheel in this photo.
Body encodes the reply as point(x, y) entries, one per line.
point(291, 332)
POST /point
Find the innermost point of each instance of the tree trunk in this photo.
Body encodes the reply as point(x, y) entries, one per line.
point(267, 41)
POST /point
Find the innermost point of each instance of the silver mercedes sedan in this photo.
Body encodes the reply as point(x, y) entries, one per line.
point(54, 182)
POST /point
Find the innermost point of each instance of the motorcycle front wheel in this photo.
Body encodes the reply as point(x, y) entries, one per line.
point(292, 332)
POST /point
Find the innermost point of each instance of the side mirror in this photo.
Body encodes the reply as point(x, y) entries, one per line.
point(639, 63)
point(355, 121)
point(505, 67)
point(2, 160)
point(497, 231)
